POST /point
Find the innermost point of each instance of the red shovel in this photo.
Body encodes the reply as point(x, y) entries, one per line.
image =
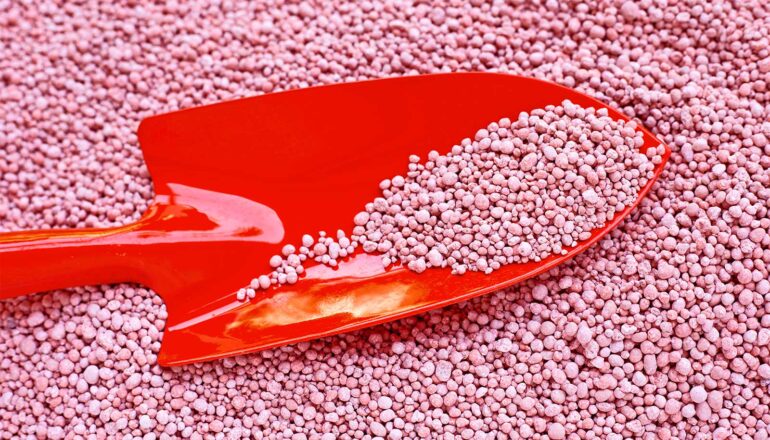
point(236, 181)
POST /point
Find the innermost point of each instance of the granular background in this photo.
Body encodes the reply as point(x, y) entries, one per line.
point(659, 331)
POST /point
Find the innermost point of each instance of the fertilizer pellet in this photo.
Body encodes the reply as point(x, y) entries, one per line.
point(611, 345)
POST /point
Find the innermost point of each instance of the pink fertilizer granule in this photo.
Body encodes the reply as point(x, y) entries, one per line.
point(660, 331)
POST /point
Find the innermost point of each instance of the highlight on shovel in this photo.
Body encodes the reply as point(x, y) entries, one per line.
point(235, 181)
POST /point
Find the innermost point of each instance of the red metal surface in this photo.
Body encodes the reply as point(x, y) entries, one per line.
point(236, 180)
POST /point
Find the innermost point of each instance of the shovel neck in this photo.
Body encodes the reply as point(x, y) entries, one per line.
point(186, 248)
point(41, 260)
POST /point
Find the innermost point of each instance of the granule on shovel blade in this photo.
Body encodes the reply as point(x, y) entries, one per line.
point(618, 343)
point(519, 191)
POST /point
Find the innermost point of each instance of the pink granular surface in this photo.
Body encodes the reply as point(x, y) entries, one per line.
point(659, 331)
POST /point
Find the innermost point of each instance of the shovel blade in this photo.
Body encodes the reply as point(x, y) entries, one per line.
point(240, 179)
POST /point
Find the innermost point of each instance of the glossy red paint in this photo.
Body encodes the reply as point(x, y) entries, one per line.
point(236, 180)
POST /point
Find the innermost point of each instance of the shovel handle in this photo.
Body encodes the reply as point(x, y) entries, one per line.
point(41, 260)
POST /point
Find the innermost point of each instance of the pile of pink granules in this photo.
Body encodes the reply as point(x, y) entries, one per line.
point(520, 191)
point(661, 330)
